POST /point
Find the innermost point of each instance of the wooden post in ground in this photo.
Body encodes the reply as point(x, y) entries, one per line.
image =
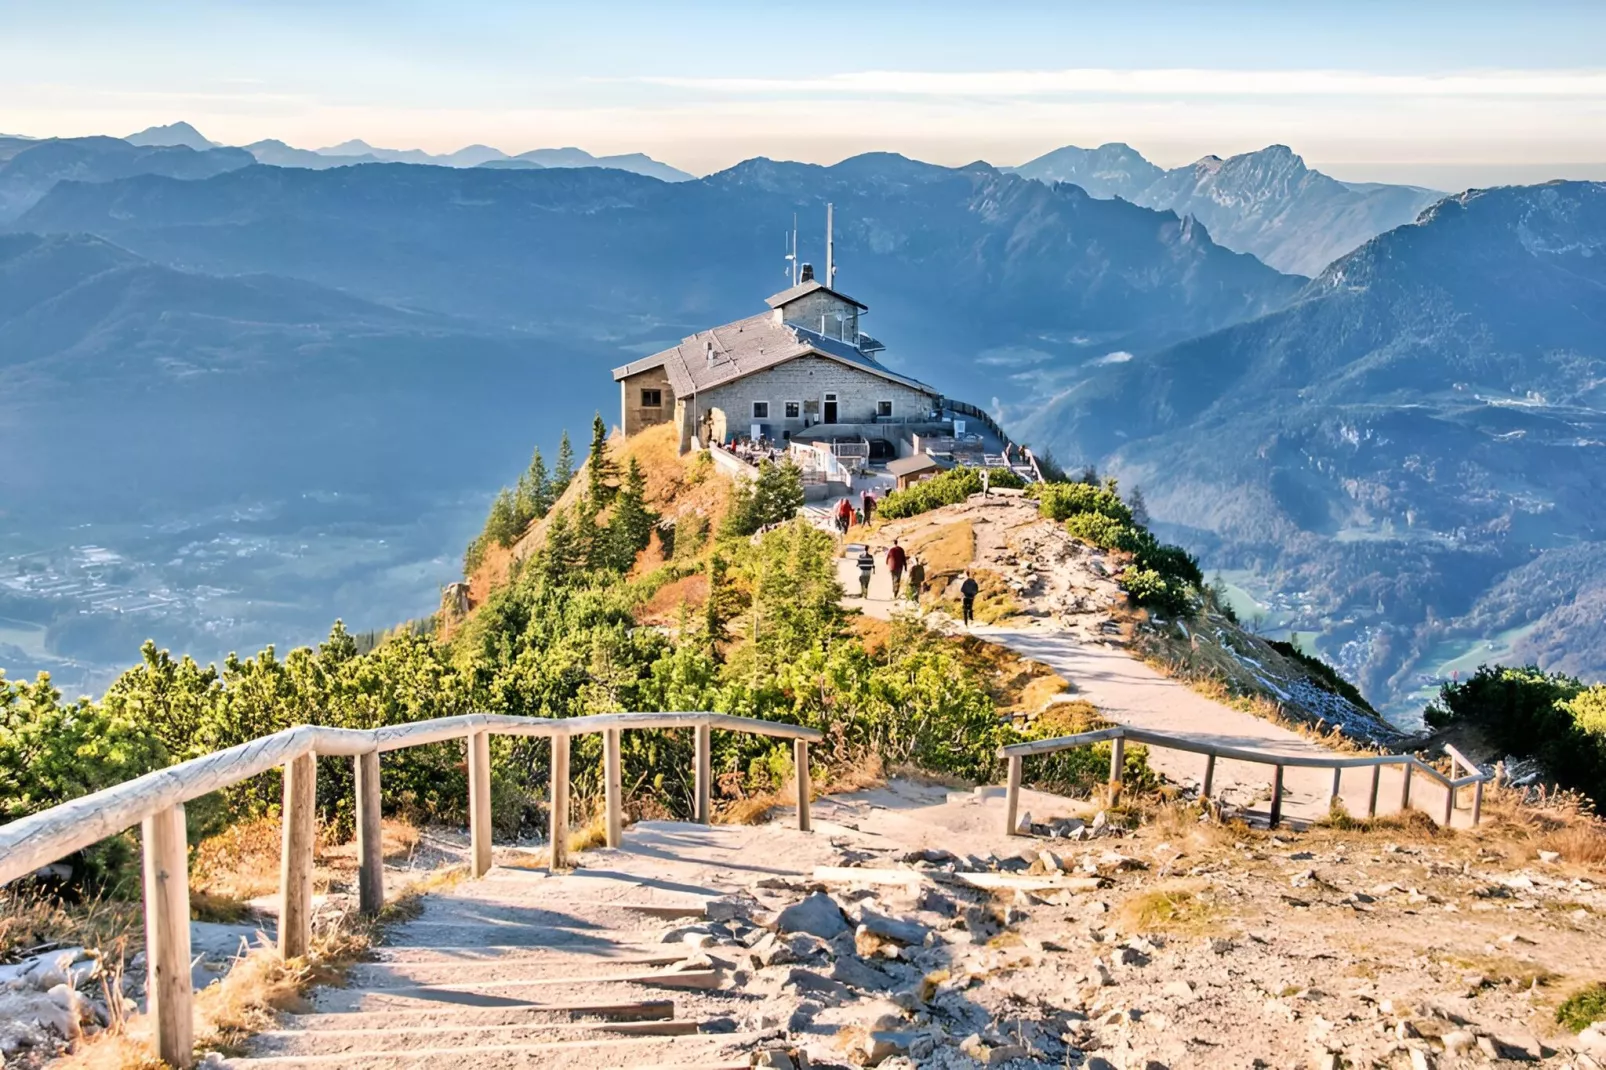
point(1477, 803)
point(1012, 797)
point(805, 783)
point(1405, 787)
point(479, 802)
point(295, 870)
point(370, 847)
point(559, 803)
point(1209, 777)
point(1117, 767)
point(1371, 802)
point(1449, 804)
point(167, 935)
point(613, 786)
point(1338, 791)
point(1276, 795)
point(704, 774)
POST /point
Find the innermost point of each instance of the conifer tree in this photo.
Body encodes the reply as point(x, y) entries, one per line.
point(1140, 508)
point(562, 553)
point(630, 529)
point(564, 471)
point(502, 526)
point(534, 494)
point(599, 467)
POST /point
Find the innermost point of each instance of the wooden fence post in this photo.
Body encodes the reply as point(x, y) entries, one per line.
point(613, 786)
point(559, 802)
point(295, 870)
point(370, 845)
point(1449, 805)
point(479, 802)
point(704, 773)
point(1405, 788)
point(1117, 768)
point(1477, 803)
point(1338, 783)
point(805, 783)
point(1209, 777)
point(1377, 779)
point(1012, 797)
point(167, 935)
point(1276, 795)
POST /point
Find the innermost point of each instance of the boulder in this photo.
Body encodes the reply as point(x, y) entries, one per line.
point(817, 915)
point(852, 970)
point(895, 929)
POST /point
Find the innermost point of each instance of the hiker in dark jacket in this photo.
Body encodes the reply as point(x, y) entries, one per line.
point(917, 578)
point(967, 596)
point(896, 560)
point(866, 566)
point(868, 500)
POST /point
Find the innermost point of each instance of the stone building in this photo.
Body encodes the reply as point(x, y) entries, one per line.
point(801, 370)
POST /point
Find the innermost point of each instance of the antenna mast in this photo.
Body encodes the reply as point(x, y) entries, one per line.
point(830, 250)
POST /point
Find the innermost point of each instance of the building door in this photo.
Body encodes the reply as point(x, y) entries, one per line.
point(829, 415)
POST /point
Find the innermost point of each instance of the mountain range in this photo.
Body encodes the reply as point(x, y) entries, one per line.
point(356, 151)
point(1266, 202)
point(1409, 444)
point(31, 168)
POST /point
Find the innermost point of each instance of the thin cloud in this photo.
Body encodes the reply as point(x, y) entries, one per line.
point(1164, 82)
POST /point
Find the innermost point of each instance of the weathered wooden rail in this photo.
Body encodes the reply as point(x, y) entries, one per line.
point(1016, 753)
point(156, 801)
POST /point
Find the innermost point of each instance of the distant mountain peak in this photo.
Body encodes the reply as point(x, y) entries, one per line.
point(179, 133)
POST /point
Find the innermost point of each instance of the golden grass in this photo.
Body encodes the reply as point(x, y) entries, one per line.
point(1172, 906)
point(664, 606)
point(947, 550)
point(31, 919)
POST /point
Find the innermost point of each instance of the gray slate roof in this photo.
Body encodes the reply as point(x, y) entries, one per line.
point(749, 346)
point(792, 293)
point(919, 462)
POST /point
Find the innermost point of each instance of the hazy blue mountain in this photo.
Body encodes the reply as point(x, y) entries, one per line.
point(179, 133)
point(985, 281)
point(1428, 415)
point(513, 164)
point(635, 162)
point(29, 169)
point(278, 154)
point(1267, 203)
point(1112, 170)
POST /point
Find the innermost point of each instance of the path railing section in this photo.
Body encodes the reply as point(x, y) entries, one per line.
point(1017, 753)
point(156, 803)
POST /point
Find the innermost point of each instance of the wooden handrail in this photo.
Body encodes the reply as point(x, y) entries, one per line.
point(1014, 753)
point(156, 801)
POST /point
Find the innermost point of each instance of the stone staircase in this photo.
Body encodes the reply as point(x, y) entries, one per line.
point(587, 968)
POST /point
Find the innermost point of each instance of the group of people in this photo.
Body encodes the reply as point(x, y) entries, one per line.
point(900, 564)
point(846, 515)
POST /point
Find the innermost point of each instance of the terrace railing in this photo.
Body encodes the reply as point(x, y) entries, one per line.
point(1016, 753)
point(156, 801)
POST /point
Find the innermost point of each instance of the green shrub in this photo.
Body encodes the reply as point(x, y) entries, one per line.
point(1583, 1008)
point(1147, 587)
point(1061, 501)
point(946, 488)
point(1096, 529)
point(772, 497)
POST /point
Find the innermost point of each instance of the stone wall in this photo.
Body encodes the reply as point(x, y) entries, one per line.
point(807, 310)
point(729, 407)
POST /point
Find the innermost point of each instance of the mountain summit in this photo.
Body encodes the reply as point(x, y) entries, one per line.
point(1268, 202)
point(179, 133)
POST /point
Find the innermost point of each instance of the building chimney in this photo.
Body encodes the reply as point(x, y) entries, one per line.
point(808, 273)
point(708, 351)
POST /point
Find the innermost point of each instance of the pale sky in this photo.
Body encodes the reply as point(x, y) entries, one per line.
point(1444, 94)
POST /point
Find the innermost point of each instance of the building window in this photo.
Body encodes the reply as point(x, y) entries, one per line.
point(793, 410)
point(761, 410)
point(652, 399)
point(883, 408)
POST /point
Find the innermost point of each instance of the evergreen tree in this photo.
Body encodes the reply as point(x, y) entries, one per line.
point(599, 467)
point(717, 609)
point(1140, 508)
point(502, 525)
point(772, 497)
point(534, 494)
point(564, 472)
point(563, 552)
point(631, 527)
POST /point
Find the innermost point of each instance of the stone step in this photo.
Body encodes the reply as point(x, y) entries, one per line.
point(389, 974)
point(592, 1053)
point(615, 1010)
point(398, 1037)
point(424, 954)
point(513, 991)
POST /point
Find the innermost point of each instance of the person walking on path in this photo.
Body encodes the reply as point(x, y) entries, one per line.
point(967, 597)
point(869, 505)
point(917, 579)
point(986, 483)
point(866, 566)
point(896, 560)
point(844, 515)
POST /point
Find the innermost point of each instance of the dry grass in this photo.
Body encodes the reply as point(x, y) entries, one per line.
point(947, 550)
point(1172, 906)
point(664, 607)
point(31, 920)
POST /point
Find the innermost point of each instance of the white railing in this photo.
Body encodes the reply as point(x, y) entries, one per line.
point(156, 801)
